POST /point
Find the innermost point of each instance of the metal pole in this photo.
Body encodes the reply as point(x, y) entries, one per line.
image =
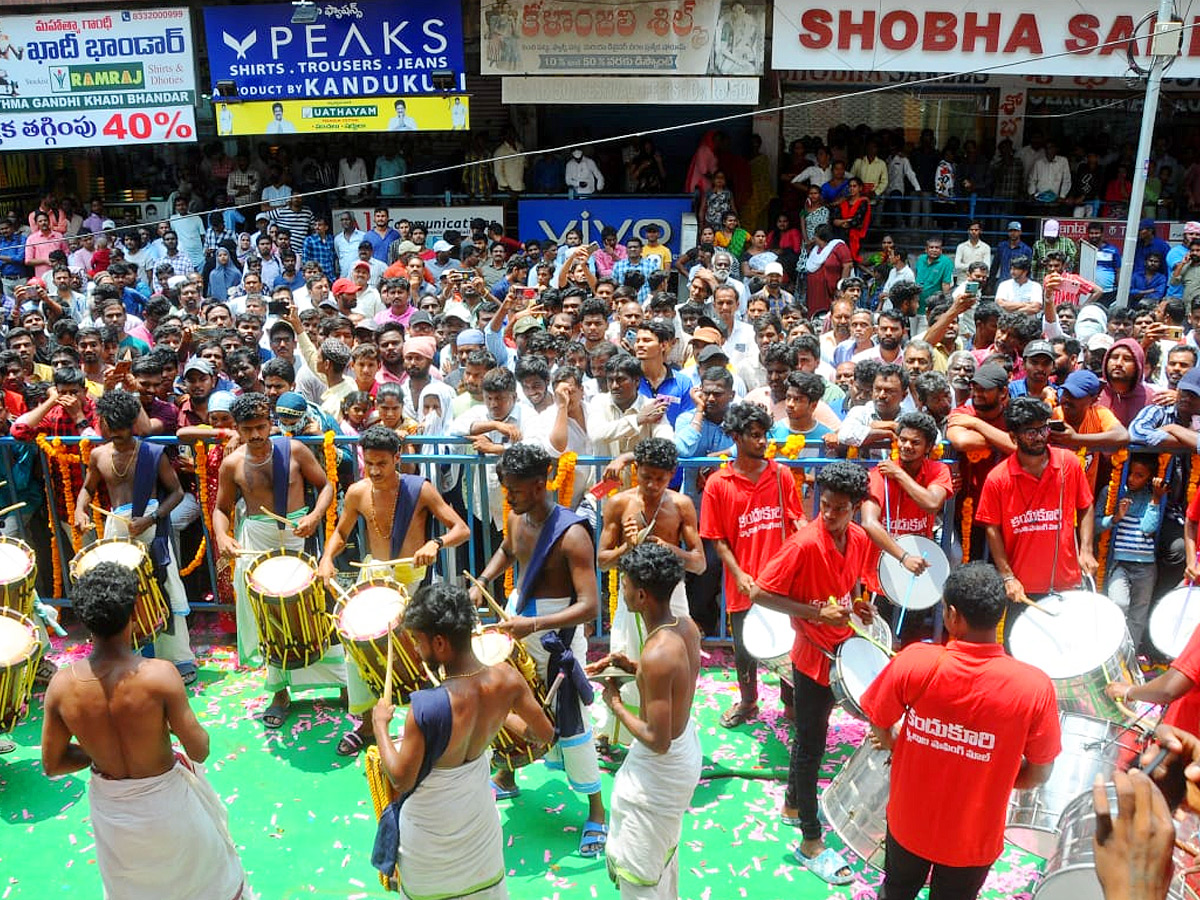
point(1164, 43)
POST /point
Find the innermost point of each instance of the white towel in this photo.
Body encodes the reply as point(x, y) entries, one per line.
point(650, 794)
point(163, 838)
point(451, 844)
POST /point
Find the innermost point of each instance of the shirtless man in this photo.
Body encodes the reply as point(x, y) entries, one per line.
point(250, 472)
point(557, 593)
point(160, 829)
point(649, 513)
point(654, 786)
point(450, 842)
point(396, 511)
point(134, 472)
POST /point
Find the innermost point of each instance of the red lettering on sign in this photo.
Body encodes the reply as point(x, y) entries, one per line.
point(940, 31)
point(1025, 36)
point(909, 30)
point(815, 32)
point(1194, 43)
point(974, 30)
point(864, 30)
point(1120, 32)
point(1084, 30)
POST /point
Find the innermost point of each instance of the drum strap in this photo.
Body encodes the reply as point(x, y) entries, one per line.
point(407, 496)
point(281, 467)
point(1057, 534)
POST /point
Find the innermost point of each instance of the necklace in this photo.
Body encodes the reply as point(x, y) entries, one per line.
point(120, 476)
point(658, 628)
point(464, 674)
point(258, 465)
point(375, 520)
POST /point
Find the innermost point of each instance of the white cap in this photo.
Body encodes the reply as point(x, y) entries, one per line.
point(773, 269)
point(1101, 342)
point(442, 247)
point(1050, 229)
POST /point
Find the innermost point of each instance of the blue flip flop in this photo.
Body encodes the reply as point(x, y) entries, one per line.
point(593, 839)
point(826, 865)
point(503, 793)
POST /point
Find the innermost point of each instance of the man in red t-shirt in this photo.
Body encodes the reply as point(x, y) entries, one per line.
point(814, 578)
point(748, 508)
point(906, 496)
point(976, 724)
point(1030, 505)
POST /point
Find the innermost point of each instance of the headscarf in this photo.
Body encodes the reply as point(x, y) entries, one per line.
point(224, 276)
point(438, 425)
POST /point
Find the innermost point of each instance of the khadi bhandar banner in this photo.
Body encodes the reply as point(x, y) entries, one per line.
point(85, 79)
point(1024, 37)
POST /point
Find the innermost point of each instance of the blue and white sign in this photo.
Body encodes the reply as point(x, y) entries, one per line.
point(542, 219)
point(361, 49)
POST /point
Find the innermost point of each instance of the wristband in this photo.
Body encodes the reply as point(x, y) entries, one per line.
point(1008, 578)
point(441, 543)
point(904, 557)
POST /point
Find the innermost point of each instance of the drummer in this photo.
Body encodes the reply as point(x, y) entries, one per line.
point(131, 470)
point(1028, 505)
point(977, 724)
point(395, 510)
point(270, 474)
point(814, 579)
point(649, 513)
point(906, 497)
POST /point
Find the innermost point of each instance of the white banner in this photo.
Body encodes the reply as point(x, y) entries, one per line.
point(1024, 37)
point(641, 37)
point(602, 88)
point(92, 78)
point(436, 219)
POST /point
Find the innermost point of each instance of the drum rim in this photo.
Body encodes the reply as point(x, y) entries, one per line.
point(84, 552)
point(27, 552)
point(1154, 614)
point(275, 553)
point(1020, 626)
point(509, 641)
point(356, 590)
point(759, 611)
point(883, 560)
point(7, 612)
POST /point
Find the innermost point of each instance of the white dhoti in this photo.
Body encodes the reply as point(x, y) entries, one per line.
point(263, 533)
point(359, 694)
point(575, 754)
point(627, 635)
point(175, 646)
point(451, 843)
point(163, 838)
point(651, 793)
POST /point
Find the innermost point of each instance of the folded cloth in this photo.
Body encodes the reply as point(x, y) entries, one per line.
point(451, 844)
point(163, 838)
point(650, 794)
point(575, 687)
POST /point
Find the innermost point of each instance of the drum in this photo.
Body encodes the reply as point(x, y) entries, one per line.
point(1082, 649)
point(1173, 620)
point(289, 608)
point(855, 803)
point(20, 653)
point(18, 575)
point(767, 635)
point(1071, 872)
point(151, 613)
point(368, 617)
point(857, 663)
point(493, 648)
point(911, 591)
point(1090, 747)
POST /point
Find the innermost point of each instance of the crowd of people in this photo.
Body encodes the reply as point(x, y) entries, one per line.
point(832, 344)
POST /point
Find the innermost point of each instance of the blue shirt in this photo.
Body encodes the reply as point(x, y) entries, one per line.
point(1150, 287)
point(690, 441)
point(1108, 267)
point(677, 386)
point(1005, 253)
point(1141, 251)
point(12, 248)
point(647, 265)
point(381, 243)
point(322, 253)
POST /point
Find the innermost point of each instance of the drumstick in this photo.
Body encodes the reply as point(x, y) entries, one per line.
point(282, 520)
point(109, 512)
point(1041, 609)
point(863, 633)
point(387, 679)
point(491, 601)
point(558, 680)
point(907, 596)
point(9, 509)
point(429, 674)
point(1189, 849)
point(403, 561)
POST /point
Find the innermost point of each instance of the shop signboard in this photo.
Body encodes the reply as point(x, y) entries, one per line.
point(637, 37)
point(369, 48)
point(542, 219)
point(1114, 229)
point(88, 79)
point(437, 219)
point(602, 89)
point(1017, 38)
point(441, 113)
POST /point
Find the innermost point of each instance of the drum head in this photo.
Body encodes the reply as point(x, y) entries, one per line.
point(15, 561)
point(125, 553)
point(915, 592)
point(17, 641)
point(1086, 632)
point(767, 633)
point(859, 662)
point(491, 647)
point(370, 612)
point(282, 576)
point(1174, 619)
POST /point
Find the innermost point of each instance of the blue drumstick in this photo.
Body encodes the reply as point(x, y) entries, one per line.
point(907, 596)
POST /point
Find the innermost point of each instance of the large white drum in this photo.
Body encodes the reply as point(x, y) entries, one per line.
point(911, 591)
point(1173, 620)
point(855, 803)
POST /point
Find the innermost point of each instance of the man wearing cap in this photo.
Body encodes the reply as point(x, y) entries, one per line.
point(653, 248)
point(1039, 366)
point(1148, 242)
point(199, 381)
point(772, 290)
point(1007, 251)
point(418, 355)
point(1083, 423)
point(442, 260)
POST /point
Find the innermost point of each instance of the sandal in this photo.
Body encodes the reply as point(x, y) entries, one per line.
point(738, 715)
point(7, 745)
point(593, 839)
point(502, 793)
point(188, 672)
point(351, 743)
point(276, 715)
point(826, 865)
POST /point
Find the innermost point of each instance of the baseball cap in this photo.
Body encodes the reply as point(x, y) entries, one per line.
point(1038, 348)
point(712, 351)
point(470, 337)
point(442, 247)
point(328, 301)
point(262, 217)
point(281, 325)
point(1082, 383)
point(344, 286)
point(368, 325)
point(456, 310)
point(773, 269)
point(1014, 225)
point(1191, 227)
point(707, 334)
point(1146, 223)
point(529, 323)
point(1190, 382)
point(990, 375)
point(407, 247)
point(361, 264)
point(420, 317)
point(1050, 229)
point(290, 404)
point(1100, 342)
point(220, 401)
point(198, 364)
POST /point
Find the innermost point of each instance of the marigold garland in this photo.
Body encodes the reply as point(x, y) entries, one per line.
point(564, 478)
point(57, 453)
point(1110, 507)
point(85, 456)
point(791, 450)
point(968, 508)
point(508, 573)
point(331, 474)
point(1193, 479)
point(202, 484)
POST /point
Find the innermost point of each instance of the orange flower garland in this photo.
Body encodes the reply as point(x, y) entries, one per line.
point(85, 455)
point(331, 474)
point(508, 573)
point(57, 454)
point(564, 478)
point(968, 508)
point(791, 450)
point(1193, 478)
point(1110, 507)
point(201, 478)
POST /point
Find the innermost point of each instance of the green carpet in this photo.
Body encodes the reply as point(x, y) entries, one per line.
point(303, 820)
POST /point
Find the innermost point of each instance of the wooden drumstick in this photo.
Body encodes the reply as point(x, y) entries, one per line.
point(108, 512)
point(9, 509)
point(1040, 609)
point(403, 561)
point(282, 520)
point(558, 680)
point(387, 679)
point(429, 674)
point(491, 601)
point(863, 633)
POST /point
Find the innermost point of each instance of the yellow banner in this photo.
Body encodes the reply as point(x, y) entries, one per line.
point(440, 113)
